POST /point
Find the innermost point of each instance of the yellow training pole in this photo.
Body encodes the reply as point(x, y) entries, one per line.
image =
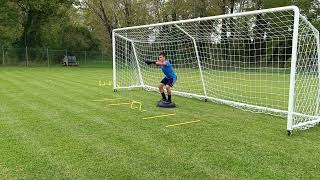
point(153, 117)
point(183, 123)
point(100, 100)
point(112, 99)
point(119, 104)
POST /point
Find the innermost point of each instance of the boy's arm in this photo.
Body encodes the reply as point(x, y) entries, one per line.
point(161, 63)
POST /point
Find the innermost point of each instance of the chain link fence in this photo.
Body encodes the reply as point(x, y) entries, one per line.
point(34, 57)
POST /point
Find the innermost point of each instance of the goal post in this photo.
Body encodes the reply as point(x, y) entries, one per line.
point(293, 67)
point(197, 56)
point(261, 61)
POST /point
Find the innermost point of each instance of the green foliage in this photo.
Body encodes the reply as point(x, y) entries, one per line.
point(276, 3)
point(78, 38)
point(45, 23)
point(316, 23)
point(10, 23)
point(36, 14)
point(50, 33)
point(88, 24)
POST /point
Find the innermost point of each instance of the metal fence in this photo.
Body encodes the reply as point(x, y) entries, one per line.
point(33, 57)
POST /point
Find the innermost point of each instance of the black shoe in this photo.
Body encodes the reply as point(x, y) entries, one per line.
point(163, 100)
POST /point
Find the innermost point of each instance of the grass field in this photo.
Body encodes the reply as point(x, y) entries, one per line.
point(51, 129)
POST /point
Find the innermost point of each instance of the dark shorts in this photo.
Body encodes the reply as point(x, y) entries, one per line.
point(168, 81)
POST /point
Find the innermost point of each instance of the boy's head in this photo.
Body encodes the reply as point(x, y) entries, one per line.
point(162, 56)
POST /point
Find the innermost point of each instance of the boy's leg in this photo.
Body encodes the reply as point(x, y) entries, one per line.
point(161, 88)
point(168, 87)
point(162, 91)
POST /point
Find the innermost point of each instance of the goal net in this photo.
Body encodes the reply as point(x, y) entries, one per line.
point(262, 61)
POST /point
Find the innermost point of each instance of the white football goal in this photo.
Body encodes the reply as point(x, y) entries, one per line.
point(262, 61)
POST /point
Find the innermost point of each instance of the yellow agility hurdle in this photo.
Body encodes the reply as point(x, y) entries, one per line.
point(105, 83)
point(139, 106)
point(132, 105)
point(135, 102)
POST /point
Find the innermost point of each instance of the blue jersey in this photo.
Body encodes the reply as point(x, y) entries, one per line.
point(168, 71)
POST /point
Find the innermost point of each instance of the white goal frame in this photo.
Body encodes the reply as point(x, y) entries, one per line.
point(290, 113)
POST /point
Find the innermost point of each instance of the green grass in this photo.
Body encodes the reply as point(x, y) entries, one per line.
point(51, 129)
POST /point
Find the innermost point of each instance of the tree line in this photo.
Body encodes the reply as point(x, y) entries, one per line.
point(88, 24)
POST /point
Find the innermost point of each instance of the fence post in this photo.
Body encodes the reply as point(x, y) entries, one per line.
point(2, 55)
point(85, 56)
point(27, 59)
point(102, 57)
point(48, 57)
point(67, 63)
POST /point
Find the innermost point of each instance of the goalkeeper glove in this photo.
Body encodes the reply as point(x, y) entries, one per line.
point(150, 62)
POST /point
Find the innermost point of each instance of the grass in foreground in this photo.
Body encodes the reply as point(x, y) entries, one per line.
point(51, 129)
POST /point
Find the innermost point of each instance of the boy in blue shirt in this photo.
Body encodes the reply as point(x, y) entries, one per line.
point(170, 76)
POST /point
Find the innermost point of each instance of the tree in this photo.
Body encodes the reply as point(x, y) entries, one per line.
point(106, 12)
point(36, 13)
point(102, 16)
point(10, 23)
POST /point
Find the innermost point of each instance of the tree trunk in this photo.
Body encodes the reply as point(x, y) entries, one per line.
point(127, 10)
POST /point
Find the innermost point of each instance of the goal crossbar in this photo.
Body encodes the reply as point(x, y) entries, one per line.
point(286, 8)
